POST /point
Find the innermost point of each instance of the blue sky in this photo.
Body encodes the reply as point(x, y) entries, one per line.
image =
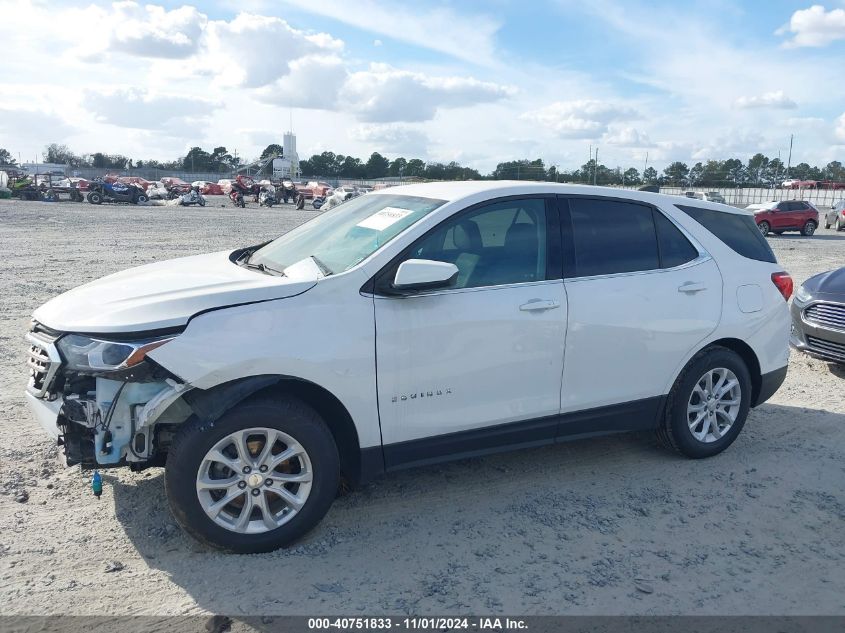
point(468, 81)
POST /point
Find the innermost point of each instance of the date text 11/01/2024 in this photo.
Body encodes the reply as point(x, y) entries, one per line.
point(423, 623)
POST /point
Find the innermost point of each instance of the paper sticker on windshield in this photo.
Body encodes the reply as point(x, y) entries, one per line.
point(380, 220)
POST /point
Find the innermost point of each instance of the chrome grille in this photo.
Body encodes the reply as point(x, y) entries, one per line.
point(826, 348)
point(42, 360)
point(826, 314)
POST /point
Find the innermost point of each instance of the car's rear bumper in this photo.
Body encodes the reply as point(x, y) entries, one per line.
point(769, 383)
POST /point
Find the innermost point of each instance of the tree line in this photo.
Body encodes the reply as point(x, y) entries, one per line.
point(758, 171)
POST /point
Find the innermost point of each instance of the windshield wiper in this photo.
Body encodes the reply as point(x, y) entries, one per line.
point(323, 268)
point(264, 268)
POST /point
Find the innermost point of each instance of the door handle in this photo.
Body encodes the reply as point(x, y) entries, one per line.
point(539, 304)
point(692, 287)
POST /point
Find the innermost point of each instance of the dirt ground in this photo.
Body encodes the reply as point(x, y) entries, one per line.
point(610, 525)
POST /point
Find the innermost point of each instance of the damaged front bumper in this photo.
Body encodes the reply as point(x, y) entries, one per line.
point(103, 419)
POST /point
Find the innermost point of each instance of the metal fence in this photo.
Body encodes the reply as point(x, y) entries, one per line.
point(742, 197)
point(149, 173)
point(155, 174)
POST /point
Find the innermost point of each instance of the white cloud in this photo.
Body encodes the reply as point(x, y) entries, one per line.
point(312, 82)
point(814, 27)
point(738, 142)
point(140, 109)
point(392, 138)
point(466, 37)
point(144, 31)
point(584, 118)
point(776, 99)
point(256, 50)
point(377, 42)
point(839, 131)
point(627, 137)
point(44, 125)
point(383, 94)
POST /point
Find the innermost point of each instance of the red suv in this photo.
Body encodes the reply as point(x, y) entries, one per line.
point(790, 215)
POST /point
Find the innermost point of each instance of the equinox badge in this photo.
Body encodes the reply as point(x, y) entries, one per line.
point(422, 394)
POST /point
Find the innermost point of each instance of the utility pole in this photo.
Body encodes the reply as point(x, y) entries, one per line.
point(789, 160)
point(596, 167)
point(588, 163)
point(645, 165)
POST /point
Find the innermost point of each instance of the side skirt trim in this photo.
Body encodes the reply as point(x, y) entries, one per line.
point(630, 416)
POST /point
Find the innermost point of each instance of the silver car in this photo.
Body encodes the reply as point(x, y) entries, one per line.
point(836, 216)
point(818, 316)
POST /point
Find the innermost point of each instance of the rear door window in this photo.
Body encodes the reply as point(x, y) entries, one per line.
point(675, 248)
point(739, 232)
point(612, 237)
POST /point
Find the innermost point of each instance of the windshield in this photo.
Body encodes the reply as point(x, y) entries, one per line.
point(347, 234)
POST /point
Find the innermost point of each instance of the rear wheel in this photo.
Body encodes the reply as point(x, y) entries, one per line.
point(708, 404)
point(142, 199)
point(255, 480)
point(809, 228)
point(838, 224)
point(764, 227)
point(95, 198)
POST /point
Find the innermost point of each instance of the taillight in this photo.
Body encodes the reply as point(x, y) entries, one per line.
point(784, 284)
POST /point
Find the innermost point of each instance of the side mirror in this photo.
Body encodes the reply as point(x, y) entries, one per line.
point(424, 274)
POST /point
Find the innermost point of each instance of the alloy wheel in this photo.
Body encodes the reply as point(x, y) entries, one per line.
point(714, 405)
point(254, 480)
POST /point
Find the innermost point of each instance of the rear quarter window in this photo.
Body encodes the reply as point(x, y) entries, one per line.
point(738, 232)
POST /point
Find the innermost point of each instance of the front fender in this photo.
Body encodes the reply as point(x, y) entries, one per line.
point(210, 404)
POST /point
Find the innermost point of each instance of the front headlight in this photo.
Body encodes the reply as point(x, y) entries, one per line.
point(803, 295)
point(85, 353)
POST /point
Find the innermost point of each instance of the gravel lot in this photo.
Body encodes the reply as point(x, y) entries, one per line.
point(610, 525)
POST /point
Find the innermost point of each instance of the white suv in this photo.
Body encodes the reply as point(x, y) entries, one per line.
point(409, 326)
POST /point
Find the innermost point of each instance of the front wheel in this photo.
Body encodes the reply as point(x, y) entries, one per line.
point(256, 479)
point(708, 404)
point(809, 228)
point(95, 198)
point(764, 227)
point(838, 225)
point(141, 199)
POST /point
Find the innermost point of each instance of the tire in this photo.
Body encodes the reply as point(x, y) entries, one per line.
point(838, 224)
point(676, 431)
point(808, 229)
point(826, 224)
point(201, 202)
point(141, 199)
point(764, 227)
point(95, 197)
point(297, 426)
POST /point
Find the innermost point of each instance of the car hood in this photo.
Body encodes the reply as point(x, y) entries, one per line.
point(830, 284)
point(167, 294)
